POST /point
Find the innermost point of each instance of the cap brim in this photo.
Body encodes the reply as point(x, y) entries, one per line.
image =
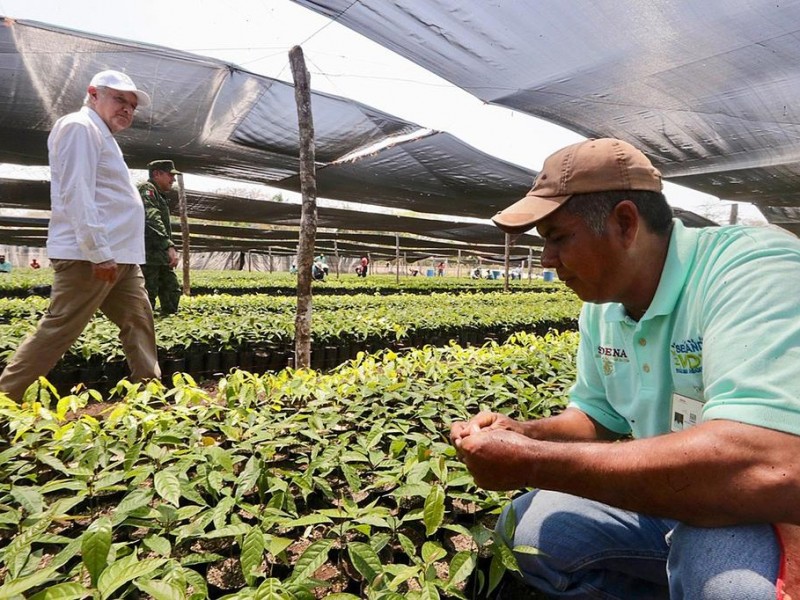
point(524, 214)
point(143, 97)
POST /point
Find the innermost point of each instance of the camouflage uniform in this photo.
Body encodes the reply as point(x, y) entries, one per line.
point(159, 278)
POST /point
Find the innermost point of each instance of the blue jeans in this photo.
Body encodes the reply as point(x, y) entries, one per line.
point(590, 550)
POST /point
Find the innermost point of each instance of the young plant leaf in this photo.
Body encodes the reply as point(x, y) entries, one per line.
point(253, 547)
point(168, 486)
point(365, 560)
point(311, 560)
point(434, 510)
point(95, 545)
point(123, 571)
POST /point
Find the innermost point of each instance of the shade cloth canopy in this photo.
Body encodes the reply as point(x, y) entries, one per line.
point(706, 89)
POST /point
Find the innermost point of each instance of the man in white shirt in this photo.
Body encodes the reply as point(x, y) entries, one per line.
point(95, 240)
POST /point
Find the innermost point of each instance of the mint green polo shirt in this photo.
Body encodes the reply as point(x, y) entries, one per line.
point(723, 329)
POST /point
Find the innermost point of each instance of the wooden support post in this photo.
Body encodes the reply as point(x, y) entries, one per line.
point(507, 261)
point(185, 246)
point(308, 218)
point(530, 264)
point(336, 254)
point(458, 264)
point(397, 257)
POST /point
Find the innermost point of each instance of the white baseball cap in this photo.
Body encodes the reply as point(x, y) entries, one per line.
point(117, 80)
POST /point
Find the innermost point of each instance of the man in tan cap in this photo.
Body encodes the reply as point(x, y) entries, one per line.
point(690, 341)
point(161, 258)
point(95, 239)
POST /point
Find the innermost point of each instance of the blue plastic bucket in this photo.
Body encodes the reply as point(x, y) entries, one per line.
point(548, 276)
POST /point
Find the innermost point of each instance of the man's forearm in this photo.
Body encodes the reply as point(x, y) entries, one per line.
point(570, 425)
point(721, 473)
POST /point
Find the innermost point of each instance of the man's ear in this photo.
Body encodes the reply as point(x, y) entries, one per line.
point(625, 220)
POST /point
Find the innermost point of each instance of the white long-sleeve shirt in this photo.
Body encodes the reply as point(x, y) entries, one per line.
point(96, 213)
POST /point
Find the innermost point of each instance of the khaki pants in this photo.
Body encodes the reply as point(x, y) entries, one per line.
point(75, 298)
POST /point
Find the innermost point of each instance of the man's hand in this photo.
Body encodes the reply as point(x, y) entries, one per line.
point(480, 422)
point(498, 459)
point(105, 271)
point(173, 257)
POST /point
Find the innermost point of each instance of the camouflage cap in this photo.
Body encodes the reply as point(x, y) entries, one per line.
point(163, 165)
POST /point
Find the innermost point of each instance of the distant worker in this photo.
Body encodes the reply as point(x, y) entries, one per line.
point(364, 266)
point(35, 264)
point(161, 257)
point(319, 269)
point(5, 267)
point(440, 269)
point(95, 240)
point(323, 264)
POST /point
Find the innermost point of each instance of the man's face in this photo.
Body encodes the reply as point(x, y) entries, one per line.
point(586, 262)
point(116, 108)
point(163, 180)
point(2, 259)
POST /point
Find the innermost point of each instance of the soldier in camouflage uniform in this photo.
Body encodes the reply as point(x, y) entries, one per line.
point(161, 256)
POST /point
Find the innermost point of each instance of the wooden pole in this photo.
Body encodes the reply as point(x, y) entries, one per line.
point(336, 254)
point(185, 249)
point(734, 216)
point(507, 261)
point(530, 264)
point(397, 257)
point(458, 264)
point(308, 218)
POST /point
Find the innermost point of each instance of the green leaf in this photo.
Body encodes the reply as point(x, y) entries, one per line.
point(400, 574)
point(135, 500)
point(249, 476)
point(429, 591)
point(70, 590)
point(29, 498)
point(95, 544)
point(506, 556)
point(407, 545)
point(420, 489)
point(496, 572)
point(161, 590)
point(168, 486)
point(312, 559)
point(433, 512)
point(532, 550)
point(198, 583)
point(462, 566)
point(158, 544)
point(253, 547)
point(365, 560)
point(22, 541)
point(124, 570)
point(228, 531)
point(16, 587)
point(432, 552)
point(271, 589)
point(278, 544)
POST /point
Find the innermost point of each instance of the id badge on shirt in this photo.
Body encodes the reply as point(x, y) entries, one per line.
point(685, 412)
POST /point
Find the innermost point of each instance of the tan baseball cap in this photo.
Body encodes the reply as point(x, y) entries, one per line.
point(601, 165)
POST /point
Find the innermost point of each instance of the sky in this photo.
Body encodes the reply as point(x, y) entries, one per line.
point(257, 35)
